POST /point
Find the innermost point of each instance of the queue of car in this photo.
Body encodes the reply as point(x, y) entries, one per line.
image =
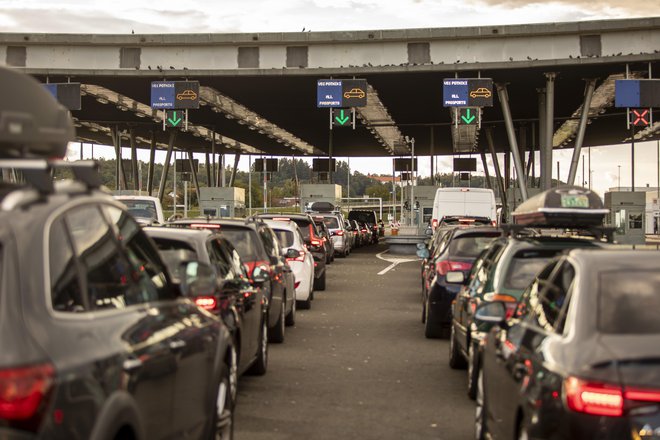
point(558, 329)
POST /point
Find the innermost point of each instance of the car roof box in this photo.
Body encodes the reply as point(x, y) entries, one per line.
point(562, 207)
point(322, 207)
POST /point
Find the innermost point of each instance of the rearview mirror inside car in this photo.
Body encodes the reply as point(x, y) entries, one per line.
point(455, 277)
point(198, 279)
point(491, 312)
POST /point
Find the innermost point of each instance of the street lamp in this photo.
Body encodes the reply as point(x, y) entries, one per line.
point(411, 141)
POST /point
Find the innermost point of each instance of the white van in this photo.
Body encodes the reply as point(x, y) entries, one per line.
point(463, 202)
point(145, 209)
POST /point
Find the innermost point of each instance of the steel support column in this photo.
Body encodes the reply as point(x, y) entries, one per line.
point(208, 168)
point(152, 163)
point(194, 175)
point(237, 157)
point(496, 165)
point(134, 161)
point(582, 128)
point(432, 156)
point(513, 144)
point(166, 166)
point(485, 165)
point(214, 173)
point(549, 123)
point(545, 167)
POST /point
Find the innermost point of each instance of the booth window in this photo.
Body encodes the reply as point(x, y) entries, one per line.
point(634, 221)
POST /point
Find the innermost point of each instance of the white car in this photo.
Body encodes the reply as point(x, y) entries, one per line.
point(302, 265)
point(145, 209)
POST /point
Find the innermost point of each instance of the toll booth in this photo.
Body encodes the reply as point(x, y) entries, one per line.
point(423, 207)
point(319, 192)
point(627, 215)
point(222, 202)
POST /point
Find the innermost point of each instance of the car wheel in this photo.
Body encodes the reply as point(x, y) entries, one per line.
point(291, 316)
point(233, 374)
point(319, 283)
point(276, 334)
point(423, 312)
point(224, 408)
point(456, 359)
point(473, 371)
point(432, 329)
point(260, 364)
point(480, 427)
point(523, 433)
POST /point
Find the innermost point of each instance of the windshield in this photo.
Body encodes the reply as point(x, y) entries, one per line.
point(285, 237)
point(141, 208)
point(331, 222)
point(244, 240)
point(629, 302)
point(470, 246)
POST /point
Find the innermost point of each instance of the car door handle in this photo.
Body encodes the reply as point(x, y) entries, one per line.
point(177, 345)
point(131, 365)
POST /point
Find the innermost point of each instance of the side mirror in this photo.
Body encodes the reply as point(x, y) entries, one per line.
point(198, 279)
point(292, 253)
point(259, 275)
point(491, 312)
point(455, 277)
point(421, 246)
point(423, 253)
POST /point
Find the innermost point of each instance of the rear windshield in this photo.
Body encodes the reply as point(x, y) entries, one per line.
point(244, 240)
point(173, 253)
point(470, 246)
point(140, 208)
point(331, 222)
point(363, 217)
point(524, 266)
point(285, 237)
point(303, 224)
point(629, 302)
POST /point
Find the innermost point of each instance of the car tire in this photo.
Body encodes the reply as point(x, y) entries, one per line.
point(480, 419)
point(423, 312)
point(456, 359)
point(523, 430)
point(276, 333)
point(432, 329)
point(291, 316)
point(319, 283)
point(223, 419)
point(260, 364)
point(473, 371)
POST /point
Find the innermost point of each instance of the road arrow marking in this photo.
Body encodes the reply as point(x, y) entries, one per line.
point(468, 119)
point(395, 261)
point(342, 119)
point(174, 121)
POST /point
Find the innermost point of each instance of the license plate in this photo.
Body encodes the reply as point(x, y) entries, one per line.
point(574, 201)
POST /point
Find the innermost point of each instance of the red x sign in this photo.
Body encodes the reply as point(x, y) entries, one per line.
point(640, 117)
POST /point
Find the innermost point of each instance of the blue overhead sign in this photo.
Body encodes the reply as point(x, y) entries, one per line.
point(175, 95)
point(637, 93)
point(328, 93)
point(334, 93)
point(162, 94)
point(463, 92)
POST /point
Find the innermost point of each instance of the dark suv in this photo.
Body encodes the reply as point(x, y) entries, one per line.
point(97, 342)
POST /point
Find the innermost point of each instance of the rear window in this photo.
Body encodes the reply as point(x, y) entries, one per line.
point(629, 302)
point(331, 222)
point(244, 240)
point(362, 217)
point(285, 237)
point(470, 246)
point(524, 266)
point(140, 208)
point(303, 224)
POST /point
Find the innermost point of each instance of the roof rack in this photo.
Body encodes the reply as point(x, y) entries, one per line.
point(600, 233)
point(38, 173)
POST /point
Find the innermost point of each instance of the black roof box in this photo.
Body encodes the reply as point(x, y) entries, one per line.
point(32, 122)
point(562, 207)
point(322, 207)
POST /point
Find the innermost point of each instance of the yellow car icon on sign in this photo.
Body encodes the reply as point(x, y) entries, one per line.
point(187, 94)
point(355, 93)
point(481, 92)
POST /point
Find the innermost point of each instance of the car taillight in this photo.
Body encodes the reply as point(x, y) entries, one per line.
point(442, 267)
point(364, 230)
point(434, 223)
point(296, 284)
point(300, 257)
point(206, 302)
point(509, 301)
point(339, 233)
point(593, 398)
point(313, 239)
point(22, 391)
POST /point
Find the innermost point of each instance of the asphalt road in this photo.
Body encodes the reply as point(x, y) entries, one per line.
point(357, 366)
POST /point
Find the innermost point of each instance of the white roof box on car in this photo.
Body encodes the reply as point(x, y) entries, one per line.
point(562, 207)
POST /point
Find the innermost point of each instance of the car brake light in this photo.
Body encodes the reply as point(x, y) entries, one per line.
point(364, 230)
point(205, 226)
point(281, 219)
point(434, 223)
point(22, 390)
point(355, 233)
point(206, 302)
point(339, 233)
point(593, 398)
point(296, 284)
point(314, 240)
point(442, 267)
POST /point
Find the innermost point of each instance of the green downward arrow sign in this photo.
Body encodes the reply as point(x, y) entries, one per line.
point(467, 117)
point(174, 120)
point(342, 119)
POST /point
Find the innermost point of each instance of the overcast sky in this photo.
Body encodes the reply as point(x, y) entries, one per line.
point(220, 16)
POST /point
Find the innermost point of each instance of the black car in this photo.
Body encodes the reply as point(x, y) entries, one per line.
point(313, 241)
point(324, 233)
point(370, 219)
point(580, 357)
point(257, 246)
point(242, 307)
point(97, 342)
point(445, 273)
point(502, 272)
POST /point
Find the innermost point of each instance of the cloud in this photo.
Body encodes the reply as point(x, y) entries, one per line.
point(599, 7)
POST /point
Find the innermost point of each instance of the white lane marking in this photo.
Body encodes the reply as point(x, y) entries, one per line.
point(395, 261)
